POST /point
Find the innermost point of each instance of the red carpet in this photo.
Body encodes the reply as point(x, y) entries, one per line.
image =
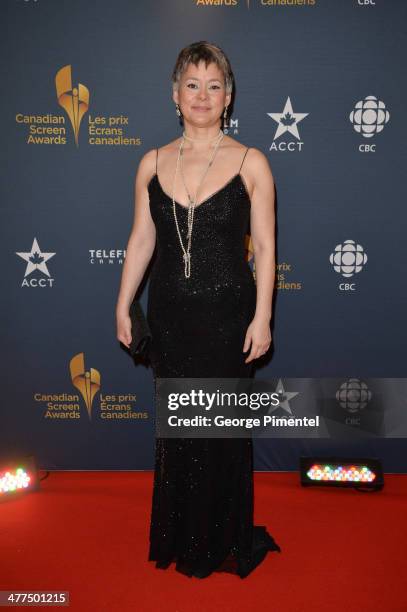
point(87, 533)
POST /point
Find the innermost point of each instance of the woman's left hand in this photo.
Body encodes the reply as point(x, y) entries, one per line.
point(259, 336)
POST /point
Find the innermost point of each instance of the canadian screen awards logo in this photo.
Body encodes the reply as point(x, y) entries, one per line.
point(348, 259)
point(65, 405)
point(86, 381)
point(74, 98)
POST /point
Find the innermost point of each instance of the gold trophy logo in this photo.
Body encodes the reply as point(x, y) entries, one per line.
point(250, 253)
point(74, 100)
point(88, 383)
point(249, 247)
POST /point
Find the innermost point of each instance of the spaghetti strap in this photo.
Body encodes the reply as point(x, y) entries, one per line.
point(156, 161)
point(243, 159)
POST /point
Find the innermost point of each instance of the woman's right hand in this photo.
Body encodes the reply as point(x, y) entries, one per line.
point(123, 323)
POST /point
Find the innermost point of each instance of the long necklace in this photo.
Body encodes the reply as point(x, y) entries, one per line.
point(192, 202)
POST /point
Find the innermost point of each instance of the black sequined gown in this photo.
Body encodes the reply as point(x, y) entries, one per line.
point(202, 503)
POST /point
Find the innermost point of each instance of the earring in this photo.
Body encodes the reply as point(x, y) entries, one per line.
point(178, 110)
point(224, 118)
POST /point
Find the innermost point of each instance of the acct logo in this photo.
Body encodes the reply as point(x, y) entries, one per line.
point(284, 398)
point(348, 259)
point(66, 406)
point(368, 118)
point(74, 98)
point(36, 268)
point(287, 122)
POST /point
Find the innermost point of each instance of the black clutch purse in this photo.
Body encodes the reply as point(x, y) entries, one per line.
point(140, 331)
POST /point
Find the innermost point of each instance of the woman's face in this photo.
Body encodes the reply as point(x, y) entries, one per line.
point(202, 95)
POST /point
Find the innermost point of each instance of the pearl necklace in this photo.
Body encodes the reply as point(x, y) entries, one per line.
point(192, 202)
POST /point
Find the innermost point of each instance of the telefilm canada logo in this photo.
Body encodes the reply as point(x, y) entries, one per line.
point(75, 99)
point(348, 259)
point(109, 257)
point(287, 135)
point(232, 126)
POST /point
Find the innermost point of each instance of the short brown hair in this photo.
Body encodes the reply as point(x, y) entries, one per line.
point(203, 50)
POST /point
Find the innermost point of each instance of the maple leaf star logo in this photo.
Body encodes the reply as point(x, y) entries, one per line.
point(287, 120)
point(36, 259)
point(284, 398)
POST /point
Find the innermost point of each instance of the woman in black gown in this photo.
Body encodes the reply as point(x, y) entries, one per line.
point(205, 313)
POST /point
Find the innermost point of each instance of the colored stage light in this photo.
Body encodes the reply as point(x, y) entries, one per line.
point(359, 473)
point(18, 475)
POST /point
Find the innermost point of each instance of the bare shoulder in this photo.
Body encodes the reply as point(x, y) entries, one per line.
point(258, 164)
point(146, 167)
point(256, 172)
point(148, 160)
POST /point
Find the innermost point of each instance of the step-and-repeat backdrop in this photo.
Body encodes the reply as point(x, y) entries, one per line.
point(86, 92)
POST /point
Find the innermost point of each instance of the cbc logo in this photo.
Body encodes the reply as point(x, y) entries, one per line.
point(368, 118)
point(348, 259)
point(353, 396)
